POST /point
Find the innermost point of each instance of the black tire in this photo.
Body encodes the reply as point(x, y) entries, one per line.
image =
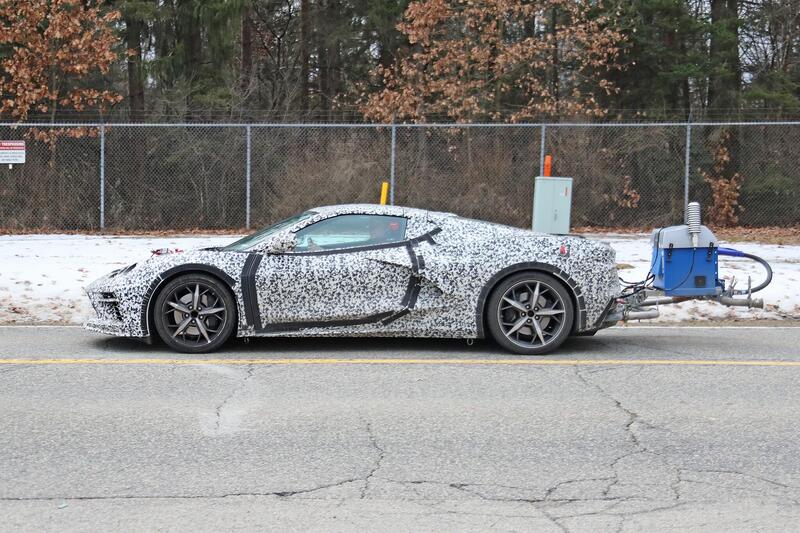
point(202, 331)
point(513, 325)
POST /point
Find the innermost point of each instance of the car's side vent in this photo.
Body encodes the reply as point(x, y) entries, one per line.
point(119, 271)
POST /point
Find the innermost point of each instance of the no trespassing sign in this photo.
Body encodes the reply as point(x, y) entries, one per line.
point(12, 152)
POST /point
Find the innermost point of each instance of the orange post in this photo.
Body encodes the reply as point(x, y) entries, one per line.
point(548, 165)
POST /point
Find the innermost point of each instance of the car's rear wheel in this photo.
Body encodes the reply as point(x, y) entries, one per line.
point(194, 313)
point(530, 313)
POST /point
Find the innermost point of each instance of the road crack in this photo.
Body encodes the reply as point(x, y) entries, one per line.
point(218, 410)
point(277, 494)
point(632, 426)
point(377, 464)
point(632, 416)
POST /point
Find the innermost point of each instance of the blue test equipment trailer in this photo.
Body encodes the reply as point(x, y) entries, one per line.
point(684, 268)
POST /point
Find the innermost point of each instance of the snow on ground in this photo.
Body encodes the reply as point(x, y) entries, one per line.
point(42, 276)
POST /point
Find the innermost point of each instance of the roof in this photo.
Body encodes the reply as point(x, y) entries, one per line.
point(373, 209)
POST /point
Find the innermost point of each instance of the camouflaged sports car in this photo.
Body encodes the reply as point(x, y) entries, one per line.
point(367, 270)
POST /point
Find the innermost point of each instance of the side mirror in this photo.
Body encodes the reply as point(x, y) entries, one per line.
point(281, 243)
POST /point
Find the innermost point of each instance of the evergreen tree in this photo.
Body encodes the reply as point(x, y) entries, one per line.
point(663, 59)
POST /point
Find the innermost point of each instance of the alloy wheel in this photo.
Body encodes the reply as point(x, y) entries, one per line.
point(194, 314)
point(531, 314)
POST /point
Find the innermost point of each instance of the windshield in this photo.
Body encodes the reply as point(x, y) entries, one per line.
point(251, 241)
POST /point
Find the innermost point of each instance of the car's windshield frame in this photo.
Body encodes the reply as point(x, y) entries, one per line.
point(260, 237)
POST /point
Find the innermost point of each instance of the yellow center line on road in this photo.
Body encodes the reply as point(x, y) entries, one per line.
point(399, 361)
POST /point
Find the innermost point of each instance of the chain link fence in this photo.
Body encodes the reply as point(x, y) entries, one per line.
point(214, 176)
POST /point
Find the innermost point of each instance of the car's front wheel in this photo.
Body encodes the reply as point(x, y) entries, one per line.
point(530, 313)
point(194, 313)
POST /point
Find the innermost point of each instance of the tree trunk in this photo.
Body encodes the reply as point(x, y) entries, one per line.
point(137, 154)
point(334, 60)
point(133, 41)
point(498, 102)
point(725, 82)
point(305, 38)
point(736, 66)
point(686, 93)
point(247, 48)
point(192, 40)
point(725, 78)
point(673, 94)
point(554, 57)
point(385, 56)
point(322, 55)
point(687, 98)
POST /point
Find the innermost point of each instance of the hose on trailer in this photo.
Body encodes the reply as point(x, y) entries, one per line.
point(736, 253)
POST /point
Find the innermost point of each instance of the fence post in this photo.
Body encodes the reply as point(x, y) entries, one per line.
point(392, 163)
point(247, 178)
point(687, 164)
point(102, 176)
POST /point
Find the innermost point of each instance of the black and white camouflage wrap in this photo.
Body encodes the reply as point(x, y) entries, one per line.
point(435, 283)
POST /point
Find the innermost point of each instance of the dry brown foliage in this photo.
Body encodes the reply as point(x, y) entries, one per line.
point(724, 185)
point(469, 54)
point(53, 46)
point(628, 198)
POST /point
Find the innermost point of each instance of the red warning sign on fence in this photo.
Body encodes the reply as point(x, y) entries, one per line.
point(12, 152)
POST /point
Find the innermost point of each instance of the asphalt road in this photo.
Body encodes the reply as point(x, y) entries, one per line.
point(635, 429)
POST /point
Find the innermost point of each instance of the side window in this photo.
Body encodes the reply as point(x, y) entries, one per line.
point(349, 231)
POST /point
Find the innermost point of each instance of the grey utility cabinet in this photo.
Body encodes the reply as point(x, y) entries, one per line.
point(552, 199)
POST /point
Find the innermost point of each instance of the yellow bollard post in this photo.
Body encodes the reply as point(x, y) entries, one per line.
point(384, 192)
